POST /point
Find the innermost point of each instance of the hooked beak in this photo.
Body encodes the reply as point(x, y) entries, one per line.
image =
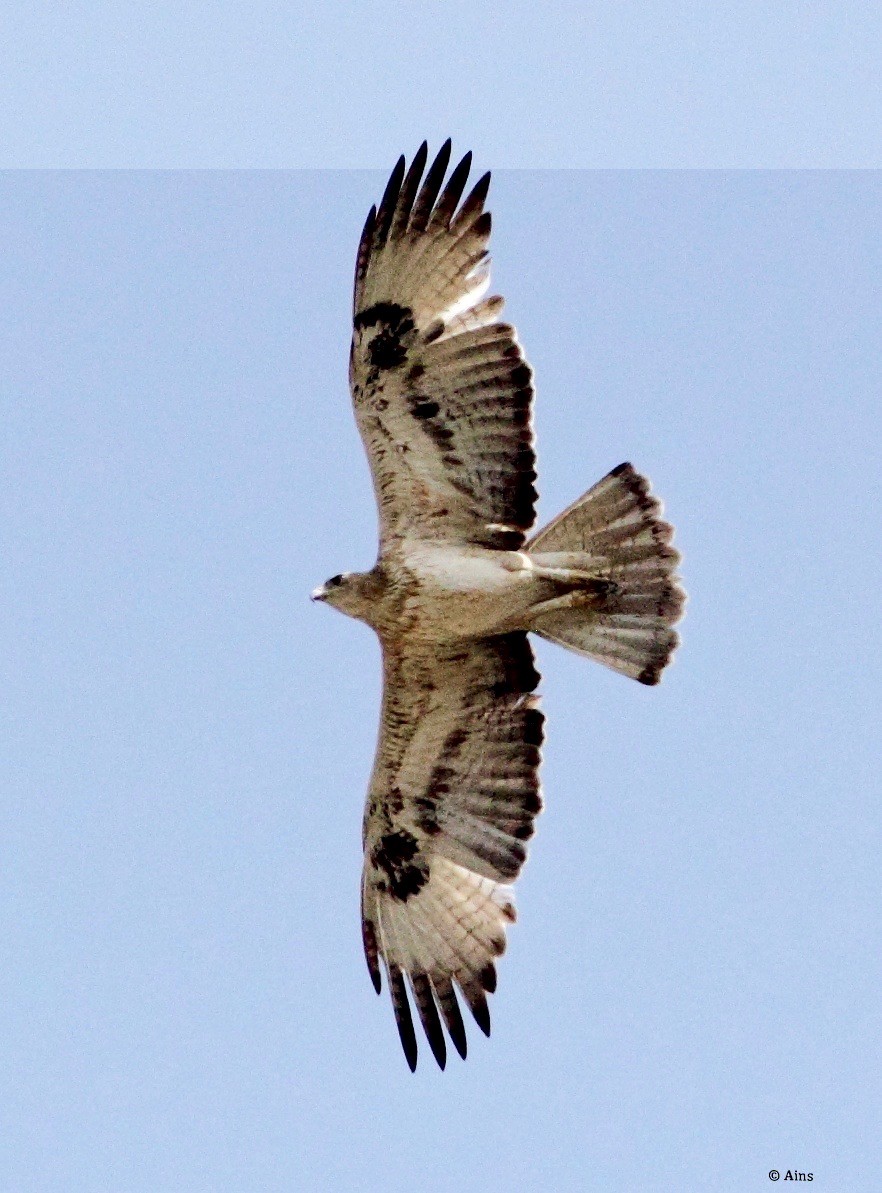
point(318, 594)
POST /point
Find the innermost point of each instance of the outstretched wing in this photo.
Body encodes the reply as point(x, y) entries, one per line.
point(453, 796)
point(442, 392)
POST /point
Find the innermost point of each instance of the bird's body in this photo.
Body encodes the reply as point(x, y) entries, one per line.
point(443, 400)
point(437, 592)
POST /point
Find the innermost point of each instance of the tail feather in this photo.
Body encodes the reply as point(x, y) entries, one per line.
point(614, 532)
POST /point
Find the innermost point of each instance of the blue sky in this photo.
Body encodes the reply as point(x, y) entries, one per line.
point(693, 983)
point(637, 83)
point(690, 997)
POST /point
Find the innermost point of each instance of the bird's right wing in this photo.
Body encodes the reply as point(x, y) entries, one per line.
point(452, 799)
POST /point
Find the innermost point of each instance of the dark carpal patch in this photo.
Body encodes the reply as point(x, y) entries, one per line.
point(398, 856)
point(390, 313)
point(387, 349)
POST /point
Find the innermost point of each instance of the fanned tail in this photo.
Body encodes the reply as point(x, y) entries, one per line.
point(613, 534)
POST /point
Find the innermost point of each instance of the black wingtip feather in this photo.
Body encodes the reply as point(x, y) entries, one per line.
point(430, 188)
point(371, 953)
point(474, 202)
point(408, 192)
point(452, 193)
point(368, 229)
point(403, 1019)
point(452, 1017)
point(363, 256)
point(473, 993)
point(488, 977)
point(387, 203)
point(425, 1002)
point(480, 189)
point(483, 224)
point(481, 1013)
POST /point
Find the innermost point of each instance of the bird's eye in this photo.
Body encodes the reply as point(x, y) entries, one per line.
point(334, 581)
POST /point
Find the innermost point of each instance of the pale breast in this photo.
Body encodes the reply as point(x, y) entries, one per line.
point(466, 592)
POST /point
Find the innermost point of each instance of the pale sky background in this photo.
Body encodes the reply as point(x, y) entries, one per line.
point(691, 995)
point(271, 83)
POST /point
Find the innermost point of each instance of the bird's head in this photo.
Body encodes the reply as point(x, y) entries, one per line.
point(345, 592)
point(332, 590)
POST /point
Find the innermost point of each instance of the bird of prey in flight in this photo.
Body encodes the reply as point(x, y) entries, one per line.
point(443, 400)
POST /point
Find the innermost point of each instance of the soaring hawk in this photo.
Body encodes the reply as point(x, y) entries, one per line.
point(443, 399)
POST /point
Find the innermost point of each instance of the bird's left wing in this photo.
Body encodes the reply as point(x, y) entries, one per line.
point(453, 796)
point(441, 390)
